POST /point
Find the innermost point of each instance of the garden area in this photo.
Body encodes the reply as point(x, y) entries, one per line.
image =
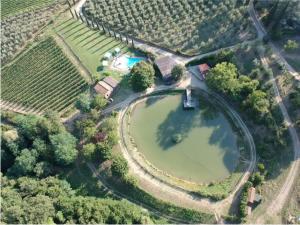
point(42, 78)
point(186, 26)
point(96, 50)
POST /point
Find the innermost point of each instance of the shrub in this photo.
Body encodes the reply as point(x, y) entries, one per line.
point(142, 76)
point(291, 45)
point(261, 167)
point(88, 151)
point(119, 166)
point(177, 72)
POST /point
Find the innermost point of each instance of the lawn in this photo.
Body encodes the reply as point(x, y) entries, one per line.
point(12, 7)
point(88, 44)
point(42, 78)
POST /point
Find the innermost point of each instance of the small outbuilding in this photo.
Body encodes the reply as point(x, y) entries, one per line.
point(106, 86)
point(253, 199)
point(203, 69)
point(165, 65)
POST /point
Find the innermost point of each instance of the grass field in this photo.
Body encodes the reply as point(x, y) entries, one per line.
point(41, 79)
point(89, 45)
point(13, 7)
point(191, 27)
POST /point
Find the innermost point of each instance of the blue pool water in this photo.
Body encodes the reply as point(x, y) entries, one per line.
point(131, 61)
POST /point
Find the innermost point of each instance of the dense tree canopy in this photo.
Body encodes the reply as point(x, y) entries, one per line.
point(142, 76)
point(64, 146)
point(258, 102)
point(26, 200)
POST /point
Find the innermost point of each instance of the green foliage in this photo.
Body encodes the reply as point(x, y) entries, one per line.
point(291, 45)
point(177, 72)
point(88, 151)
point(104, 151)
point(43, 169)
point(83, 102)
point(257, 179)
point(176, 26)
point(258, 102)
point(85, 128)
point(212, 60)
point(36, 75)
point(243, 199)
point(24, 163)
point(26, 200)
point(10, 7)
point(223, 78)
point(261, 167)
point(64, 147)
point(98, 102)
point(142, 76)
point(294, 98)
point(119, 166)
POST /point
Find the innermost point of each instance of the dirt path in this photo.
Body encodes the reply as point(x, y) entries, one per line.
point(278, 202)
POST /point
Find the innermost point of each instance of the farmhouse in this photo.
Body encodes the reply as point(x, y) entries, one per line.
point(203, 69)
point(165, 65)
point(106, 86)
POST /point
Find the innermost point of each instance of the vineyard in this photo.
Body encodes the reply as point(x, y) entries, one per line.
point(188, 26)
point(41, 79)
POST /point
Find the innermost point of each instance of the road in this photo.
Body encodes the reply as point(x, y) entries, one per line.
point(278, 201)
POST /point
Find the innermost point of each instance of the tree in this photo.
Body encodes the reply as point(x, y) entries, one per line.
point(88, 151)
point(223, 78)
point(247, 86)
point(41, 147)
point(43, 169)
point(64, 146)
point(142, 76)
point(83, 103)
point(86, 128)
point(98, 102)
point(177, 72)
point(50, 124)
point(257, 179)
point(104, 151)
point(27, 126)
point(119, 166)
point(258, 102)
point(291, 45)
point(24, 163)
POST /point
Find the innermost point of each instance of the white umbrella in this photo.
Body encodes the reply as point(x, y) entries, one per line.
point(107, 55)
point(104, 63)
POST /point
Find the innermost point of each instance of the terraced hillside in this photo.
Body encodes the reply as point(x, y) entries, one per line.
point(41, 79)
point(188, 26)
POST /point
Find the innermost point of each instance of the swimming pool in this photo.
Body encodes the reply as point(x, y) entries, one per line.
point(126, 62)
point(131, 61)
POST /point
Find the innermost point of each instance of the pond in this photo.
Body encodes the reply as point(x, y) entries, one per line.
point(206, 149)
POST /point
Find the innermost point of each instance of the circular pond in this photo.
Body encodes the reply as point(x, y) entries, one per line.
point(196, 145)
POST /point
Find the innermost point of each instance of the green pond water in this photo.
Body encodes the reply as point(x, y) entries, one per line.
point(208, 150)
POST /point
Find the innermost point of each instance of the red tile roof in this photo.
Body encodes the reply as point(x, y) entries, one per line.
point(204, 68)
